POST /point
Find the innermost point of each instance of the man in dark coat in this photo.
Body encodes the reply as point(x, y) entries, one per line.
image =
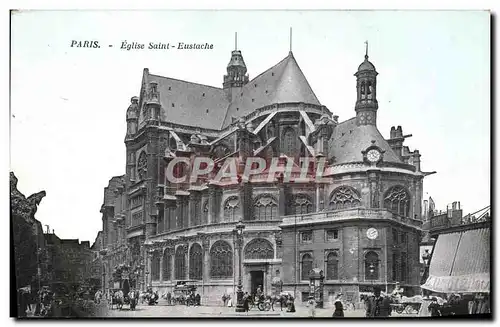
point(377, 305)
point(434, 308)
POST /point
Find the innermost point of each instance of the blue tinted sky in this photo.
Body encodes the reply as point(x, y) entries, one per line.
point(69, 104)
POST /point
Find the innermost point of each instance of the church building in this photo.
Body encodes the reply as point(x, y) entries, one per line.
point(357, 227)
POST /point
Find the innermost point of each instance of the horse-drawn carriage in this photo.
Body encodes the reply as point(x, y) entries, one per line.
point(183, 294)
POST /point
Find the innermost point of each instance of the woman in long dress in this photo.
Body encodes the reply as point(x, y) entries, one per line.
point(339, 308)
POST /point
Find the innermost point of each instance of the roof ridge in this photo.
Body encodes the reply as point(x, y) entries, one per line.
point(291, 60)
point(298, 66)
point(268, 69)
point(184, 81)
point(225, 116)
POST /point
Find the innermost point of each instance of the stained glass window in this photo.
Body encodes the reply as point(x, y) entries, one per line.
point(196, 262)
point(344, 197)
point(259, 248)
point(265, 208)
point(221, 260)
point(371, 266)
point(302, 204)
point(397, 200)
point(155, 266)
point(289, 142)
point(332, 266)
point(180, 263)
point(306, 266)
point(230, 207)
point(167, 264)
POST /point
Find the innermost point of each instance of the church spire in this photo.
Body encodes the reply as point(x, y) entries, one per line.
point(236, 70)
point(366, 85)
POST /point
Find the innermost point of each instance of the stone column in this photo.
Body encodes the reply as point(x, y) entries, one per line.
point(178, 213)
point(205, 241)
point(161, 264)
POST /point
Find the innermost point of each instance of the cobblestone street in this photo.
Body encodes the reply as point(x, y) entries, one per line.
point(181, 311)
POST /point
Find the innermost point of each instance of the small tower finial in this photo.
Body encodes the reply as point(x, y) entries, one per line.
point(290, 39)
point(366, 48)
point(235, 40)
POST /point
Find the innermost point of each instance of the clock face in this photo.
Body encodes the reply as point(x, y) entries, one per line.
point(373, 155)
point(372, 233)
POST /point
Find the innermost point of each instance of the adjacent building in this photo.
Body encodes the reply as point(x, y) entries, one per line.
point(359, 226)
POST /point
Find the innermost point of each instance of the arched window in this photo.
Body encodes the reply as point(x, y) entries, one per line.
point(265, 207)
point(221, 260)
point(259, 248)
point(204, 216)
point(371, 266)
point(180, 263)
point(142, 166)
point(301, 204)
point(332, 266)
point(155, 266)
point(196, 262)
point(167, 264)
point(306, 266)
point(344, 197)
point(289, 142)
point(397, 200)
point(230, 207)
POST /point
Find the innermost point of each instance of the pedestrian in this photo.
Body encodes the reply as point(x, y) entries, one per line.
point(229, 301)
point(224, 299)
point(246, 299)
point(377, 305)
point(339, 308)
point(434, 308)
point(311, 304)
point(169, 298)
point(291, 304)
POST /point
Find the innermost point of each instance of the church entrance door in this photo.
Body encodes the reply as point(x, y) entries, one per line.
point(257, 279)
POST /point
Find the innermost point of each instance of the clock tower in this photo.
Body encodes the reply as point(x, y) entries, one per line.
point(366, 99)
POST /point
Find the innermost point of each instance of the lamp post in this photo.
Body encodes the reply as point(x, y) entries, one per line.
point(238, 232)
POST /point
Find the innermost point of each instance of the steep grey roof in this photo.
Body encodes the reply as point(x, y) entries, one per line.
point(281, 83)
point(186, 103)
point(349, 139)
point(206, 106)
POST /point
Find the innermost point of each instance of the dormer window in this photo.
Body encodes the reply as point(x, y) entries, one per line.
point(173, 104)
point(170, 88)
point(203, 95)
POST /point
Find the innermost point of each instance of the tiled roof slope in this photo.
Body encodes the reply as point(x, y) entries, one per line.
point(349, 139)
point(191, 104)
point(281, 83)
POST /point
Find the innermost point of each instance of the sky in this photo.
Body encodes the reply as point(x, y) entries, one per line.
point(68, 104)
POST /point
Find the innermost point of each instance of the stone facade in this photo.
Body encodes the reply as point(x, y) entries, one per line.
point(185, 230)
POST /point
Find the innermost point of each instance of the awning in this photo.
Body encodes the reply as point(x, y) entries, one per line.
point(460, 263)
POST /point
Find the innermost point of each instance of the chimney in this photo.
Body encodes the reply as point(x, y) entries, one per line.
point(399, 132)
point(393, 132)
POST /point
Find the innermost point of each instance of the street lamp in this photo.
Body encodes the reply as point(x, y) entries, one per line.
point(238, 232)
